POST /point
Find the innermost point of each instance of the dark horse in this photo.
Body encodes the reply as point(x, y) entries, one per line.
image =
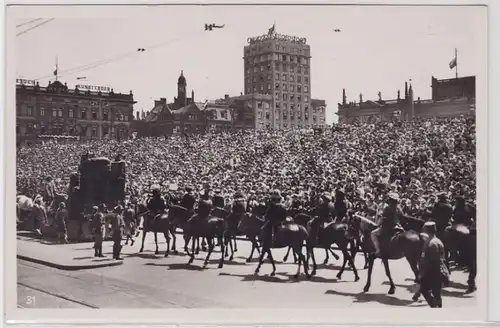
point(406, 244)
point(233, 229)
point(287, 235)
point(302, 219)
point(331, 233)
point(209, 228)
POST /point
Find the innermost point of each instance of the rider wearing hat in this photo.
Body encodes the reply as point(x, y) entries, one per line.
point(156, 204)
point(275, 214)
point(239, 204)
point(323, 212)
point(98, 228)
point(389, 220)
point(463, 213)
point(340, 205)
point(188, 200)
point(218, 200)
point(117, 225)
point(442, 212)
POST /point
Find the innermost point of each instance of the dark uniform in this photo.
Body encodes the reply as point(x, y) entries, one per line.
point(441, 213)
point(117, 225)
point(61, 221)
point(98, 224)
point(156, 204)
point(218, 200)
point(340, 206)
point(390, 219)
point(324, 213)
point(463, 213)
point(188, 200)
point(275, 215)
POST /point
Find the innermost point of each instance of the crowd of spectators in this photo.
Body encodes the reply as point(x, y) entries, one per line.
point(416, 159)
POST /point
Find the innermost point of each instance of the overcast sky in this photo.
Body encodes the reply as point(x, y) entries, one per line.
point(378, 48)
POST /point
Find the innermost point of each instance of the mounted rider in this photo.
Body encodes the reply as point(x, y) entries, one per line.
point(389, 222)
point(275, 215)
point(442, 213)
point(188, 200)
point(340, 206)
point(324, 213)
point(238, 207)
point(156, 204)
point(463, 213)
point(217, 199)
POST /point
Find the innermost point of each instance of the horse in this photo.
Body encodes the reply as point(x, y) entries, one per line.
point(233, 229)
point(210, 228)
point(286, 235)
point(406, 243)
point(331, 233)
point(302, 219)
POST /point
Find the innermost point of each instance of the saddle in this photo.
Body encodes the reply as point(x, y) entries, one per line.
point(388, 242)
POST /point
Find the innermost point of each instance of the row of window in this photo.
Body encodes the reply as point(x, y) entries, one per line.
point(285, 117)
point(281, 48)
point(279, 57)
point(278, 67)
point(72, 114)
point(283, 76)
point(59, 130)
point(284, 87)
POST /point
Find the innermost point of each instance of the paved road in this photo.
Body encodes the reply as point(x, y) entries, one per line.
point(149, 281)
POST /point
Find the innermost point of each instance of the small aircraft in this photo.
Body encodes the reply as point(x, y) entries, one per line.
point(141, 49)
point(337, 30)
point(210, 27)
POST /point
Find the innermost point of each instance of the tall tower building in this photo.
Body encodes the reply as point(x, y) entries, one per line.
point(280, 65)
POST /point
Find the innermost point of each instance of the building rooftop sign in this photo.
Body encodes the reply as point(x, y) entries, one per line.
point(272, 35)
point(93, 88)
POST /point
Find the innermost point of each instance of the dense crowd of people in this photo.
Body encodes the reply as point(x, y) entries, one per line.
point(416, 159)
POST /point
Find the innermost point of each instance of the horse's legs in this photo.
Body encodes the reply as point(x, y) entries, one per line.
point(203, 244)
point(232, 249)
point(392, 289)
point(344, 262)
point(300, 256)
point(197, 245)
point(261, 259)
point(156, 242)
point(174, 239)
point(287, 252)
point(191, 259)
point(254, 246)
point(210, 249)
point(126, 239)
point(313, 258)
point(471, 281)
point(327, 256)
point(221, 262)
point(143, 238)
point(235, 245)
point(333, 254)
point(270, 257)
point(371, 260)
point(350, 260)
point(167, 238)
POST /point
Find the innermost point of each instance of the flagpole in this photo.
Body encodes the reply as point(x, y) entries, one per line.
point(57, 68)
point(456, 63)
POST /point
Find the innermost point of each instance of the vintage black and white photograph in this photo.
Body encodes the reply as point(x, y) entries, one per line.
point(248, 157)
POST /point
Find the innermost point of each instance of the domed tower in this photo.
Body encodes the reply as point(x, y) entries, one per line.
point(181, 90)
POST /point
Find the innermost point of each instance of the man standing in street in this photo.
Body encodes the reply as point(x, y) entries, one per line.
point(116, 228)
point(98, 229)
point(433, 269)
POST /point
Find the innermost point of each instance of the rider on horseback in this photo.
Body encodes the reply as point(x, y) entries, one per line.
point(188, 200)
point(442, 213)
point(218, 200)
point(340, 206)
point(324, 212)
point(275, 215)
point(388, 223)
point(156, 204)
point(239, 205)
point(463, 213)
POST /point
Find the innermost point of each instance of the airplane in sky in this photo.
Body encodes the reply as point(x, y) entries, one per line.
point(210, 27)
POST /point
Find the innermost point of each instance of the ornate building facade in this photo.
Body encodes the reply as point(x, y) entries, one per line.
point(450, 97)
point(82, 112)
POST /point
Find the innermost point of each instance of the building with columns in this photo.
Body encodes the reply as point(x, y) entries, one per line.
point(85, 112)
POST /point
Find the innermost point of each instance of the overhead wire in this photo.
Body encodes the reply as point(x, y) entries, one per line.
point(82, 68)
point(29, 22)
point(33, 27)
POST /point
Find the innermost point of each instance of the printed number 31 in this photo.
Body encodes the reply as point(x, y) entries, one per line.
point(30, 300)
